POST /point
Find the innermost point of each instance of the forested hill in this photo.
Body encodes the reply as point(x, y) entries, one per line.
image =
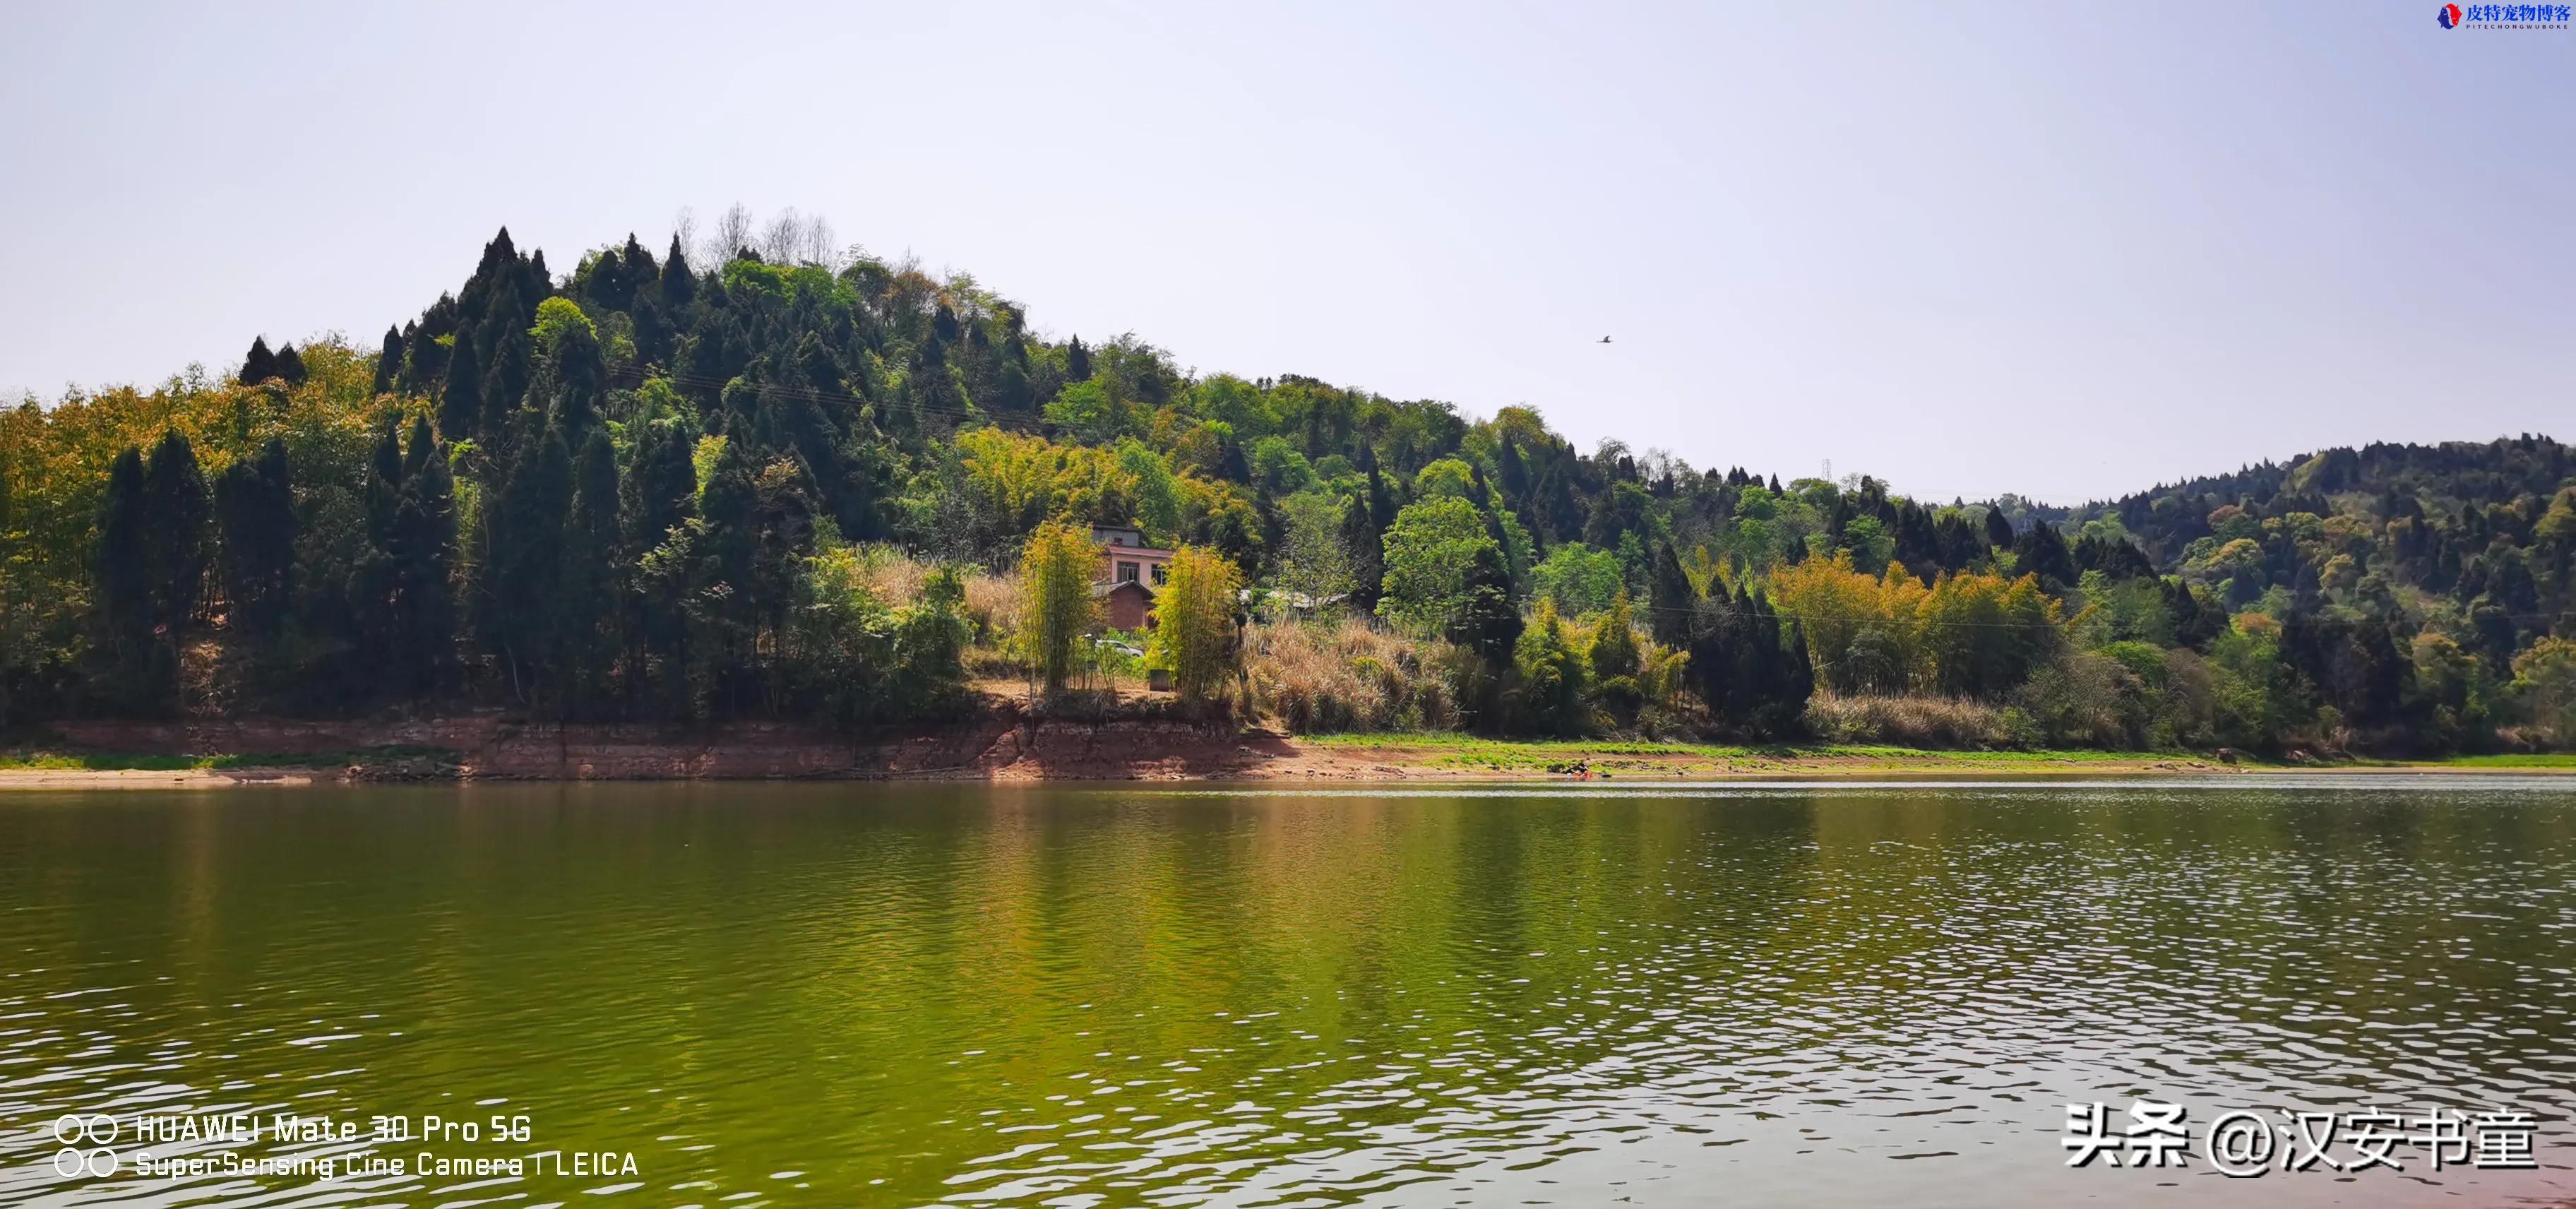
point(2452, 479)
point(668, 485)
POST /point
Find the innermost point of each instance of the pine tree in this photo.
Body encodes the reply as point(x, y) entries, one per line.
point(1999, 531)
point(460, 409)
point(388, 362)
point(290, 365)
point(1077, 362)
point(260, 365)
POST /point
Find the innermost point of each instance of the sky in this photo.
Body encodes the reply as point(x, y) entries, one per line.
point(2066, 251)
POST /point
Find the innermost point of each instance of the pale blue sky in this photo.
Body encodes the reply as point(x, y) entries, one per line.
point(2065, 250)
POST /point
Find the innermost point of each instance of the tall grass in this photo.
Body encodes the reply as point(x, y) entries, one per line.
point(1339, 675)
point(1910, 721)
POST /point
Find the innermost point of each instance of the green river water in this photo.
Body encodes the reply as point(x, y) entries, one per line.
point(845, 994)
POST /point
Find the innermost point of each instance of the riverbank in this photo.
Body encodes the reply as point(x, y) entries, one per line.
point(1006, 744)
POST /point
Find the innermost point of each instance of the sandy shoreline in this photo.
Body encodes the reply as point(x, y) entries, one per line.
point(1037, 754)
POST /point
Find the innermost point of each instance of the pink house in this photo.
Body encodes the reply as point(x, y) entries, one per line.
point(1130, 573)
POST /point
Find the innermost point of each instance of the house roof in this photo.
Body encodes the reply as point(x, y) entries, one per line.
point(1104, 589)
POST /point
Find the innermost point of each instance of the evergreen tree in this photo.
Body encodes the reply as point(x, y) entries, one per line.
point(1999, 532)
point(1490, 622)
point(421, 546)
point(589, 608)
point(1361, 539)
point(175, 540)
point(1670, 601)
point(1077, 362)
point(2041, 550)
point(388, 362)
point(577, 376)
point(461, 407)
point(260, 365)
point(290, 365)
point(134, 674)
point(505, 381)
point(520, 591)
point(679, 283)
point(662, 493)
point(255, 503)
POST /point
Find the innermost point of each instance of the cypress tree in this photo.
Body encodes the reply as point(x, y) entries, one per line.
point(1366, 547)
point(260, 365)
point(2041, 550)
point(588, 607)
point(384, 482)
point(519, 595)
point(1999, 532)
point(505, 380)
point(1669, 600)
point(255, 507)
point(663, 491)
point(290, 365)
point(122, 577)
point(419, 551)
point(388, 362)
point(460, 408)
point(578, 376)
point(1077, 362)
point(1516, 481)
point(1490, 623)
point(679, 284)
point(420, 450)
point(175, 536)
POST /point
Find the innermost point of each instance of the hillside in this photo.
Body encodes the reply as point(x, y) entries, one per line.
point(794, 485)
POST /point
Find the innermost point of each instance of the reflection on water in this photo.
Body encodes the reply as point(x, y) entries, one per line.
point(853, 994)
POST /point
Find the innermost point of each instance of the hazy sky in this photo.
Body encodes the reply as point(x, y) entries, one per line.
point(2064, 250)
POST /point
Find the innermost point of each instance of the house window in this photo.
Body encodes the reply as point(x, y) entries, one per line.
point(1126, 572)
point(1159, 573)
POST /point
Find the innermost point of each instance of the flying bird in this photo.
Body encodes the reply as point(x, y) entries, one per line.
point(1605, 340)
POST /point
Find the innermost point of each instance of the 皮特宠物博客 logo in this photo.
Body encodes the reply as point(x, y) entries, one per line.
point(2502, 16)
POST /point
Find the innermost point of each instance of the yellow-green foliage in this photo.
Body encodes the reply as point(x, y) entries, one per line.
point(55, 459)
point(1970, 633)
point(2544, 680)
point(1019, 481)
point(1194, 633)
point(1056, 607)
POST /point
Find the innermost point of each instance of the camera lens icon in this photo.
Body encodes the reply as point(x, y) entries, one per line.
point(97, 1129)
